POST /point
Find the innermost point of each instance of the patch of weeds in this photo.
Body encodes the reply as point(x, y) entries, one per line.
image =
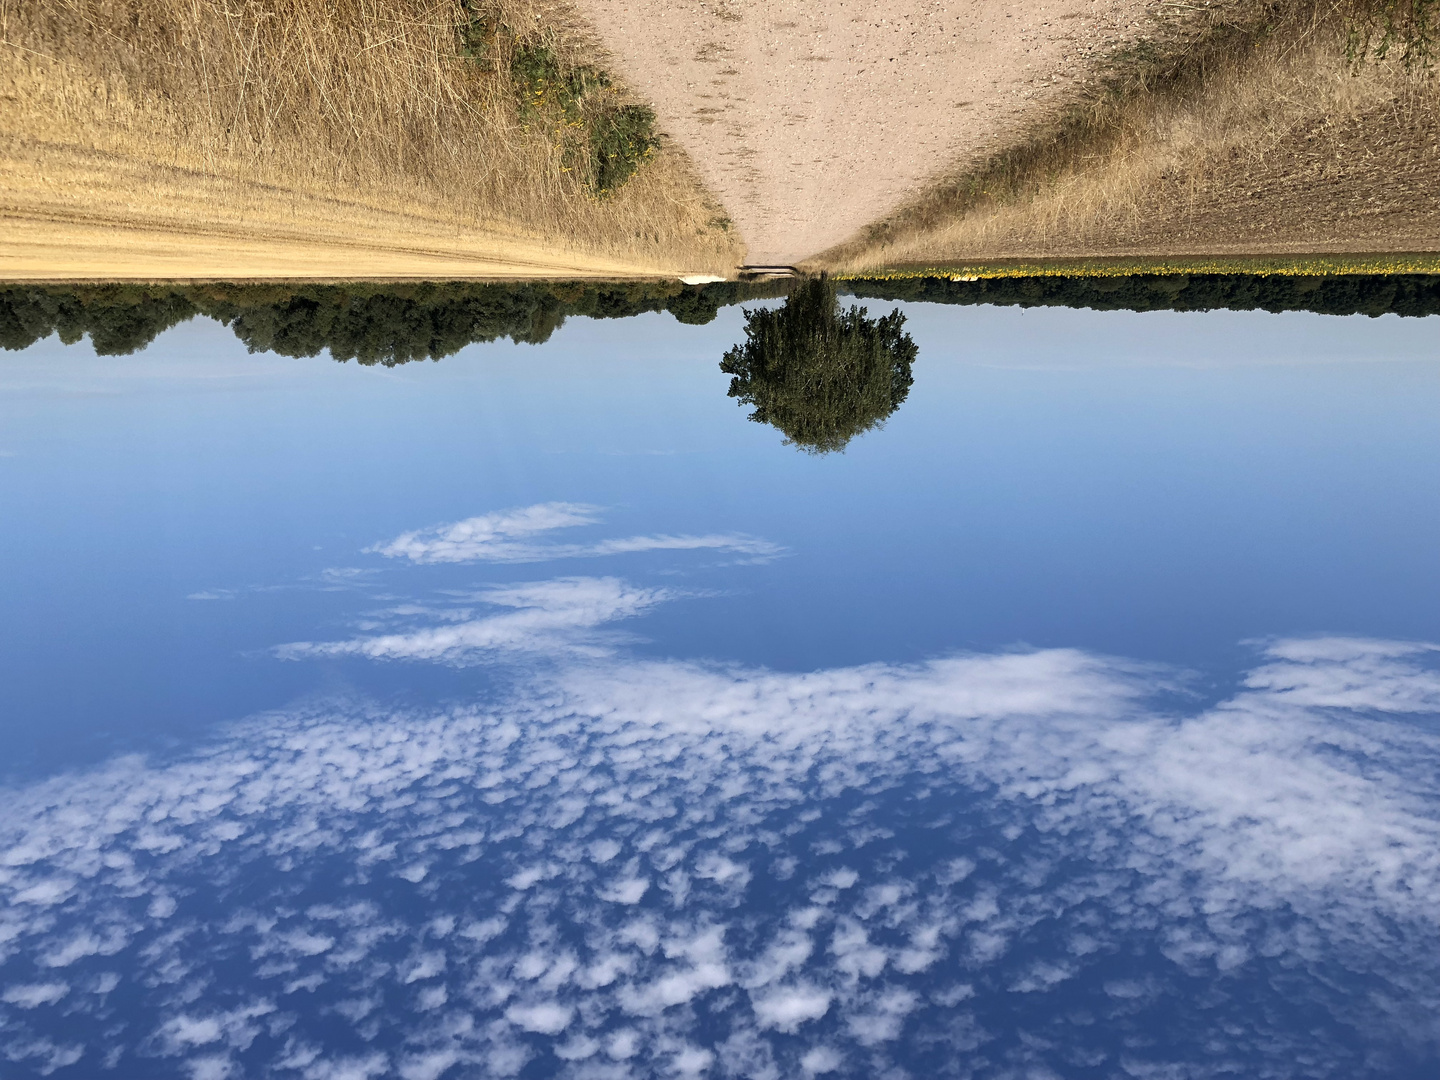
point(544, 85)
point(601, 136)
point(479, 40)
point(621, 140)
point(1376, 29)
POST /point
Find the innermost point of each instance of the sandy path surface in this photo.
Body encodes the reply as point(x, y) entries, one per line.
point(100, 249)
point(68, 215)
point(810, 120)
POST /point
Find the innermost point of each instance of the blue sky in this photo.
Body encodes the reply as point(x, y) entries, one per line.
point(532, 714)
point(1029, 862)
point(1160, 486)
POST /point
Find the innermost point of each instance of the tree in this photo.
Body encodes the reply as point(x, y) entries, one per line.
point(819, 374)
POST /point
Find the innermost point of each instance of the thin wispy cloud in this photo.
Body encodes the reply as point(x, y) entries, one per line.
point(557, 616)
point(510, 536)
point(489, 537)
point(330, 579)
point(335, 578)
point(1015, 864)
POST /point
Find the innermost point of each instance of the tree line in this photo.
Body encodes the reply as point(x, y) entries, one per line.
point(1347, 294)
point(817, 371)
point(395, 324)
point(371, 324)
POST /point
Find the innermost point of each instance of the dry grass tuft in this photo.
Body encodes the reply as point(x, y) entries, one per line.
point(1249, 131)
point(363, 104)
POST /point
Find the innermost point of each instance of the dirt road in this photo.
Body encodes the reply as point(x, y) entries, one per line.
point(809, 121)
point(99, 249)
point(67, 214)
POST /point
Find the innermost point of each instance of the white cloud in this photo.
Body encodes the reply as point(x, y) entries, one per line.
point(305, 943)
point(734, 543)
point(506, 537)
point(704, 967)
point(925, 949)
point(1043, 975)
point(211, 1067)
point(44, 892)
point(822, 1059)
point(691, 1061)
point(545, 1018)
point(787, 952)
point(33, 995)
point(785, 1008)
point(549, 616)
point(487, 536)
point(625, 891)
point(623, 1044)
point(529, 876)
point(721, 870)
point(854, 954)
point(422, 966)
point(186, 1031)
point(577, 1049)
point(77, 947)
point(884, 1019)
point(360, 1067)
point(1048, 820)
point(1349, 673)
point(602, 851)
point(428, 1066)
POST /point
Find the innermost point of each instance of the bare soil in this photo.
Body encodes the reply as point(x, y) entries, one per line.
point(1369, 182)
point(808, 121)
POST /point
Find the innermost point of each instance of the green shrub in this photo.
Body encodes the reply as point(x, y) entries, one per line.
point(544, 85)
point(621, 140)
point(602, 137)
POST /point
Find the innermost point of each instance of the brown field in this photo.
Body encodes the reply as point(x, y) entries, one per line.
point(1263, 139)
point(295, 138)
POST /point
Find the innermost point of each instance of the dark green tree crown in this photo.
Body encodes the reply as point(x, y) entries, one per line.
point(820, 374)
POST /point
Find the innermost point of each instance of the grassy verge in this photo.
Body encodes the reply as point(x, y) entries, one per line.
point(380, 105)
point(602, 136)
point(1232, 126)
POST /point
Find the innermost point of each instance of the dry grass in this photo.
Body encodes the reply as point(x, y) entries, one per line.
point(1252, 133)
point(318, 119)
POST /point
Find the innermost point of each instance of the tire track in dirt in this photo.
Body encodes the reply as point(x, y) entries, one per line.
point(808, 121)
